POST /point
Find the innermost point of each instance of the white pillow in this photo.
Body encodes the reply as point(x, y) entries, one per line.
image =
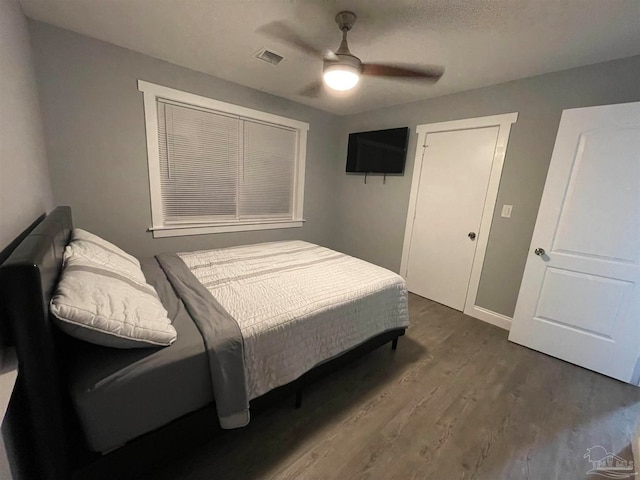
point(103, 306)
point(98, 250)
point(79, 234)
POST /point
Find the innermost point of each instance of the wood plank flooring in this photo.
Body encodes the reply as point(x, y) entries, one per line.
point(455, 401)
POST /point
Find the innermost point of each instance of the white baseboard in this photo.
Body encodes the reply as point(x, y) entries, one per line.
point(488, 316)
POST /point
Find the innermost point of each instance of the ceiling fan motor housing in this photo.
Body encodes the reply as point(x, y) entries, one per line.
point(342, 60)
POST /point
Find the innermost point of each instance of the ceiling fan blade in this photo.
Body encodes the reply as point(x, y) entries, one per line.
point(313, 90)
point(283, 33)
point(402, 71)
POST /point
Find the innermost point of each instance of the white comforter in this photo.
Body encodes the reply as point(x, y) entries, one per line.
point(298, 304)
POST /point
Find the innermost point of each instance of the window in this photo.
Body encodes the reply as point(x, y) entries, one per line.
point(217, 167)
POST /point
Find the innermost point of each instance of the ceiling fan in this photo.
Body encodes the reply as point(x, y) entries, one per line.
point(341, 69)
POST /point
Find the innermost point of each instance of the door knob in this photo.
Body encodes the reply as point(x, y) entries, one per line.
point(472, 235)
point(539, 251)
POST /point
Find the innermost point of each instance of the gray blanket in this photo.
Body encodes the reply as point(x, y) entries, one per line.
point(222, 338)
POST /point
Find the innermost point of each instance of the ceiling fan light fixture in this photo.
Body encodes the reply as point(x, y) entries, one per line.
point(342, 69)
point(341, 77)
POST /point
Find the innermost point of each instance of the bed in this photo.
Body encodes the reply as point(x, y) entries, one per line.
point(299, 308)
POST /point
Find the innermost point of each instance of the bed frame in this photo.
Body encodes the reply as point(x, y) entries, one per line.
point(41, 409)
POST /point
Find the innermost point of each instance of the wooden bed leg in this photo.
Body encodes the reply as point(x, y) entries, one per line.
point(299, 398)
point(394, 343)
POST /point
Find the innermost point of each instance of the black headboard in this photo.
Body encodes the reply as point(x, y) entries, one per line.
point(6, 334)
point(27, 281)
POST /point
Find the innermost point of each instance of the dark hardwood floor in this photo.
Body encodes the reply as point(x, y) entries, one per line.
point(455, 401)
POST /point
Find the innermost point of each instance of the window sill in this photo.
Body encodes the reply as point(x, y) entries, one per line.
point(183, 230)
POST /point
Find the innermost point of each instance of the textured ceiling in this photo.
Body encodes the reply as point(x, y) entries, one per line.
point(480, 42)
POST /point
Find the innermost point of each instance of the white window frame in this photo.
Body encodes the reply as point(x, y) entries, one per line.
point(152, 93)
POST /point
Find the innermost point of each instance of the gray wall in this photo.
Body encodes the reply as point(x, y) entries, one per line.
point(94, 127)
point(371, 218)
point(25, 190)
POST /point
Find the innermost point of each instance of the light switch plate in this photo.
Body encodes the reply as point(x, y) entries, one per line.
point(506, 211)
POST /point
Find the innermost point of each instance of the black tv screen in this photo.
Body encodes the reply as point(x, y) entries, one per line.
point(378, 151)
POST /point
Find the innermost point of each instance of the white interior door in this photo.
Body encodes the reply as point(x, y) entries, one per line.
point(580, 298)
point(453, 185)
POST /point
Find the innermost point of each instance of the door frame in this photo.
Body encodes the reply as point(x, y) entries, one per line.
point(504, 122)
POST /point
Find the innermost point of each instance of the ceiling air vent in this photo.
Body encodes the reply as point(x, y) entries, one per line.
point(269, 57)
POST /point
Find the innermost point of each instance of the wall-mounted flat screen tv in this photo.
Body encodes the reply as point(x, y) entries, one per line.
point(378, 151)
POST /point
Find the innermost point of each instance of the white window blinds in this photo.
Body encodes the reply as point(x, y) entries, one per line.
point(223, 169)
point(266, 186)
